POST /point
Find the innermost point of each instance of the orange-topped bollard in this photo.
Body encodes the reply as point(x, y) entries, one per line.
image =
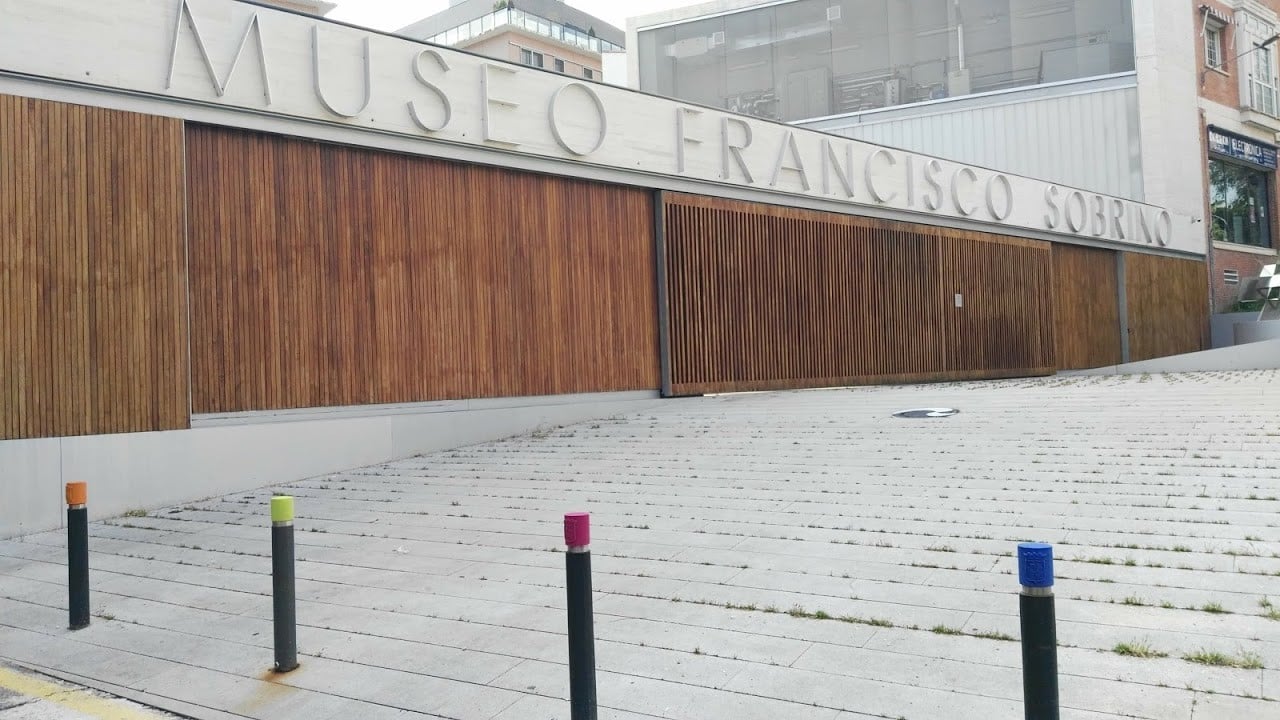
point(78, 554)
point(77, 494)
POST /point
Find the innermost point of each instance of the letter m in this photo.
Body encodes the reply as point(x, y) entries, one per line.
point(219, 84)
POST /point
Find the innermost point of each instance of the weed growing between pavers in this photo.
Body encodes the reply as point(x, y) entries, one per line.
point(1243, 661)
point(1138, 649)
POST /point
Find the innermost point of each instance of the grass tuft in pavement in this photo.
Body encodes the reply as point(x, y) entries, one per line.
point(1245, 661)
point(1138, 649)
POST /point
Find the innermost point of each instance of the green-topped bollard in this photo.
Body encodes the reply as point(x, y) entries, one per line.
point(284, 597)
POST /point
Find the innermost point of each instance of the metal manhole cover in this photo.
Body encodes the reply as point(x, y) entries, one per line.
point(927, 413)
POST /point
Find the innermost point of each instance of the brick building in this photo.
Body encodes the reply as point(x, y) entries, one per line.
point(1236, 45)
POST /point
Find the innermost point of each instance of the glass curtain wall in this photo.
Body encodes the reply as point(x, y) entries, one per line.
point(811, 58)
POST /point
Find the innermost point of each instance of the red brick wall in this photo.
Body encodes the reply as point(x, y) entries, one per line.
point(1245, 263)
point(1221, 85)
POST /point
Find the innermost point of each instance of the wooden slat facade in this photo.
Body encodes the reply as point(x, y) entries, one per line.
point(1086, 304)
point(92, 271)
point(326, 276)
point(767, 297)
point(1168, 304)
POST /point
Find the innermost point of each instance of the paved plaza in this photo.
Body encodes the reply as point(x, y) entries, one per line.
point(775, 556)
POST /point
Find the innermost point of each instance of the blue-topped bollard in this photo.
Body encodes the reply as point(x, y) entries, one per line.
point(1039, 631)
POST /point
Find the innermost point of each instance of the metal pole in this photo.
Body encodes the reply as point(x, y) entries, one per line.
point(1039, 632)
point(284, 611)
point(582, 640)
point(78, 554)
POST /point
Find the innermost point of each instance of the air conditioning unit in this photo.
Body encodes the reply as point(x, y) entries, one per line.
point(833, 13)
point(717, 38)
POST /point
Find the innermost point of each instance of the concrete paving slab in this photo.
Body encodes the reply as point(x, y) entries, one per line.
point(799, 555)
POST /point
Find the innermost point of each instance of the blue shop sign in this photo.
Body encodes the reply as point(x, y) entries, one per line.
point(1235, 146)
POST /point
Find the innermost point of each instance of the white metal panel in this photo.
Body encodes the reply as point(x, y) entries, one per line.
point(1088, 140)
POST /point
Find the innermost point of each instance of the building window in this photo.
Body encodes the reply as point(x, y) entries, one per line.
point(531, 58)
point(1213, 47)
point(1262, 83)
point(1240, 200)
point(559, 65)
point(588, 73)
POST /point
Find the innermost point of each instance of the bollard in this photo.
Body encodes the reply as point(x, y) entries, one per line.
point(78, 554)
point(582, 640)
point(282, 584)
point(1039, 632)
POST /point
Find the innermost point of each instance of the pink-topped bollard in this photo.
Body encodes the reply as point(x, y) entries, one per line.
point(582, 638)
point(577, 530)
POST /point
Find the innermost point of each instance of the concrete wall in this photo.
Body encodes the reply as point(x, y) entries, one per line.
point(1254, 356)
point(230, 453)
point(1223, 327)
point(1167, 66)
point(1255, 332)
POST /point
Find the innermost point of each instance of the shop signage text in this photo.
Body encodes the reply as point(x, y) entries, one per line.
point(1241, 148)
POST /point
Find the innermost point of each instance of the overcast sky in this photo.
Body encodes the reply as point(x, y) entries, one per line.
point(395, 14)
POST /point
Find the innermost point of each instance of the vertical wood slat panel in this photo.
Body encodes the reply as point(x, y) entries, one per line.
point(326, 276)
point(1167, 306)
point(768, 297)
point(1086, 307)
point(92, 271)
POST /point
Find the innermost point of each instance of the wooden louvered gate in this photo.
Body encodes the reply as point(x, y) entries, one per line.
point(766, 297)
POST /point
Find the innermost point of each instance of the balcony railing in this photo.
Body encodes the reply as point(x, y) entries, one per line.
point(529, 22)
point(1263, 97)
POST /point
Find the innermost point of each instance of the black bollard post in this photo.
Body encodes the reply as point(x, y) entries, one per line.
point(78, 554)
point(282, 581)
point(582, 639)
point(1039, 631)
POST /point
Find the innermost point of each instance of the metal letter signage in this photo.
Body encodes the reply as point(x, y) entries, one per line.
point(368, 76)
point(440, 94)
point(599, 107)
point(339, 83)
point(220, 84)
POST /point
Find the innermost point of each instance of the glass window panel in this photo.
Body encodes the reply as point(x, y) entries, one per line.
point(696, 54)
point(1240, 200)
point(862, 72)
point(745, 56)
point(1065, 41)
point(801, 58)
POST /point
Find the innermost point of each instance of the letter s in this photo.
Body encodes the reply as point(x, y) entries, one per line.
point(1054, 216)
point(444, 99)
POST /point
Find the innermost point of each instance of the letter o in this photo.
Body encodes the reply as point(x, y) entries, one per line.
point(595, 100)
point(1164, 228)
point(1072, 223)
point(1008, 197)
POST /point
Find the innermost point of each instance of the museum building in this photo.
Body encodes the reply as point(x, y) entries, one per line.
point(242, 246)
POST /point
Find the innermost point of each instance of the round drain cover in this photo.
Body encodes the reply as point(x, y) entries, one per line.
point(927, 413)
